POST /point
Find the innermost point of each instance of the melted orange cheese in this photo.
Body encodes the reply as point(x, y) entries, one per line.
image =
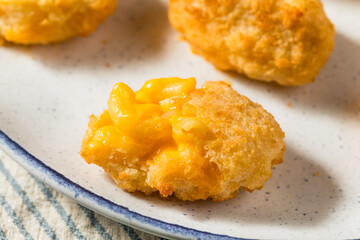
point(137, 121)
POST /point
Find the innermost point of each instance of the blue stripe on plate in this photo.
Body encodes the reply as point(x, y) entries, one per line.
point(28, 203)
point(16, 220)
point(2, 234)
point(95, 223)
point(67, 219)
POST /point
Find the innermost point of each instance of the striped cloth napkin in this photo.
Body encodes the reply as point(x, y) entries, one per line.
point(29, 209)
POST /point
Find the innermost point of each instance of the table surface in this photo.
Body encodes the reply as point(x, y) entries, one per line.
point(29, 209)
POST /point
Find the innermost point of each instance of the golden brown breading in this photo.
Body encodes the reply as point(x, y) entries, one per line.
point(286, 41)
point(46, 21)
point(219, 142)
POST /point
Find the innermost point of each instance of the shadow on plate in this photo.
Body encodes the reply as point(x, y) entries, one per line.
point(134, 34)
point(300, 193)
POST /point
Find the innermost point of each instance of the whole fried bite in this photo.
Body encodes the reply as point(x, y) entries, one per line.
point(286, 41)
point(191, 143)
point(46, 21)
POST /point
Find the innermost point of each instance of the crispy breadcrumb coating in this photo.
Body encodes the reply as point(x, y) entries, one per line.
point(46, 21)
point(286, 41)
point(204, 143)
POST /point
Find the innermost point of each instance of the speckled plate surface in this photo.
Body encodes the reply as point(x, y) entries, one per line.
point(47, 94)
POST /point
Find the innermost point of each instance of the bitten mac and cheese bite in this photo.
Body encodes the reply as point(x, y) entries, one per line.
point(178, 140)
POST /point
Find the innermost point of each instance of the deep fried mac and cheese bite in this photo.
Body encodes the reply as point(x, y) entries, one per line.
point(286, 41)
point(47, 21)
point(178, 140)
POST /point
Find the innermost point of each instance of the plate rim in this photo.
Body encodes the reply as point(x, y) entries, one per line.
point(98, 203)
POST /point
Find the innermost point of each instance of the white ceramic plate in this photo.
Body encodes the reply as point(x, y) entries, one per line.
point(47, 94)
